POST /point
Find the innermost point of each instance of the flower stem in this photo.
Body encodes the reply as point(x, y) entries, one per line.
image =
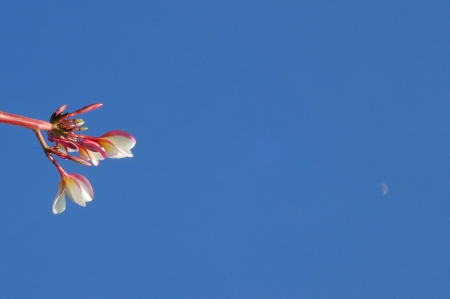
point(52, 150)
point(41, 140)
point(25, 122)
point(47, 151)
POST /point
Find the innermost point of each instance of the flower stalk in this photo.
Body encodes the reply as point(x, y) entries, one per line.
point(26, 122)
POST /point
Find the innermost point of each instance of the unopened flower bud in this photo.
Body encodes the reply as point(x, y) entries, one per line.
point(60, 109)
point(84, 110)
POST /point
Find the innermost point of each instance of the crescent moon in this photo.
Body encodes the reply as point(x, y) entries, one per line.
point(384, 189)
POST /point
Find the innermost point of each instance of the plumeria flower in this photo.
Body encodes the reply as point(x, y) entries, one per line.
point(116, 144)
point(76, 187)
point(63, 130)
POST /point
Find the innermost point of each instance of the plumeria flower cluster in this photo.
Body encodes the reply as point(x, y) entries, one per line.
point(64, 131)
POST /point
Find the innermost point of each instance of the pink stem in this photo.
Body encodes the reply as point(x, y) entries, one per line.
point(61, 171)
point(26, 122)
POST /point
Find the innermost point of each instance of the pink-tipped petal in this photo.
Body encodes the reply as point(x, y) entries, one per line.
point(93, 156)
point(121, 142)
point(110, 150)
point(86, 188)
point(72, 146)
point(59, 204)
point(122, 145)
point(85, 155)
point(96, 157)
point(119, 133)
point(93, 147)
point(74, 191)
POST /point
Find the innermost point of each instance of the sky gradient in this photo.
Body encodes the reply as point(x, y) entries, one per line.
point(264, 131)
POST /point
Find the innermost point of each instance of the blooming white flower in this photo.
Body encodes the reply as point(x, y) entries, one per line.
point(116, 144)
point(76, 187)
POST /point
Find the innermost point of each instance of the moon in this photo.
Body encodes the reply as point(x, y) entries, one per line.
point(384, 189)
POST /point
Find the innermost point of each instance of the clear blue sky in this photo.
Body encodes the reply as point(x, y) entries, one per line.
point(264, 130)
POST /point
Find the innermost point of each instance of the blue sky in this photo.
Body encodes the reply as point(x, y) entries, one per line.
point(264, 130)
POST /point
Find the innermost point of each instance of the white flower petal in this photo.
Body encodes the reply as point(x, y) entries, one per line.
point(120, 156)
point(74, 191)
point(86, 188)
point(84, 155)
point(90, 155)
point(85, 191)
point(123, 144)
point(59, 204)
point(95, 157)
point(110, 150)
point(62, 149)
